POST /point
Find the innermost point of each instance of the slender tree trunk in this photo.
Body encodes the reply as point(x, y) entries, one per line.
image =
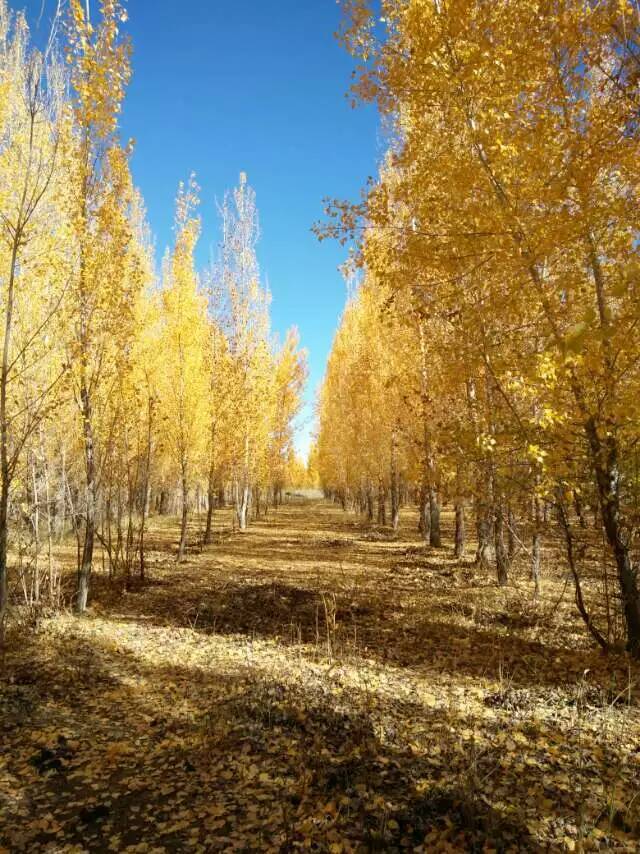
point(86, 561)
point(459, 539)
point(577, 502)
point(483, 528)
point(395, 490)
point(143, 525)
point(536, 548)
point(4, 515)
point(146, 487)
point(484, 516)
point(47, 497)
point(163, 506)
point(36, 530)
point(61, 510)
point(382, 508)
point(591, 627)
point(605, 461)
point(182, 548)
point(243, 507)
point(512, 534)
point(244, 496)
point(370, 512)
point(5, 470)
point(424, 525)
point(502, 557)
point(435, 538)
point(536, 544)
point(211, 500)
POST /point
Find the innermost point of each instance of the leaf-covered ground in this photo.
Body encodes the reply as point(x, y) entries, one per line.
point(315, 685)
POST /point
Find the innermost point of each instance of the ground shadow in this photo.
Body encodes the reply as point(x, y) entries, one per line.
point(238, 759)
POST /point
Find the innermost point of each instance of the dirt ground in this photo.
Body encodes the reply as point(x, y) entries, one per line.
point(317, 685)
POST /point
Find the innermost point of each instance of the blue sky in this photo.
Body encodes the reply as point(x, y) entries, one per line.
point(255, 86)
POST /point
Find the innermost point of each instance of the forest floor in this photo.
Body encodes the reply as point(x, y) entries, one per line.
point(317, 685)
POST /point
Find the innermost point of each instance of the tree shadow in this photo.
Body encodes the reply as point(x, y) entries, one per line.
point(361, 622)
point(115, 752)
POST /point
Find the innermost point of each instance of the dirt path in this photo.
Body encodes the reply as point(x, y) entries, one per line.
point(315, 685)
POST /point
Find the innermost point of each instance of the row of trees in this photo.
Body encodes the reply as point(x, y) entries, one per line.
point(121, 392)
point(491, 355)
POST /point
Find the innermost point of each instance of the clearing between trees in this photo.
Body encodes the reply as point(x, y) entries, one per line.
point(317, 684)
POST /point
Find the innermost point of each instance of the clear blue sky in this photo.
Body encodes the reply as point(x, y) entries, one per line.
point(259, 86)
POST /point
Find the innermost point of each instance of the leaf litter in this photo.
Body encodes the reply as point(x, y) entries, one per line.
point(310, 698)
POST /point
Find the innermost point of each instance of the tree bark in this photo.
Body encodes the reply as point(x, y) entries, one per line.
point(211, 501)
point(382, 508)
point(163, 504)
point(512, 534)
point(604, 454)
point(243, 507)
point(182, 548)
point(86, 561)
point(395, 490)
point(459, 539)
point(370, 512)
point(146, 485)
point(536, 545)
point(502, 557)
point(483, 528)
point(424, 525)
point(435, 539)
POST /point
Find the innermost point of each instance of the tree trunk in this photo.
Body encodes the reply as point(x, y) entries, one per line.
point(577, 502)
point(535, 563)
point(484, 520)
point(4, 513)
point(435, 539)
point(211, 500)
point(143, 523)
point(512, 534)
point(591, 627)
point(370, 512)
point(243, 507)
point(182, 548)
point(382, 508)
point(395, 491)
point(459, 539)
point(47, 498)
point(163, 505)
point(425, 514)
point(86, 561)
point(36, 532)
point(146, 489)
point(605, 461)
point(502, 557)
point(5, 469)
point(536, 545)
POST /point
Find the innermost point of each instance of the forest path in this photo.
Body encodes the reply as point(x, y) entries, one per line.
point(314, 684)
